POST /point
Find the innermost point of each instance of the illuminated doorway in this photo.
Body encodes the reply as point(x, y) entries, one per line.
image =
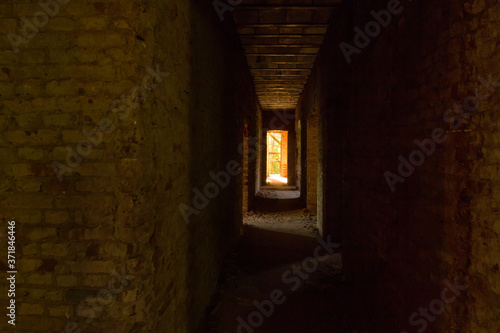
point(277, 158)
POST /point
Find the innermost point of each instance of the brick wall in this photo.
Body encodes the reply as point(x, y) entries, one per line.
point(312, 161)
point(440, 223)
point(119, 208)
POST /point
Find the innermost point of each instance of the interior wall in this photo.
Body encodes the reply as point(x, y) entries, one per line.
point(301, 134)
point(119, 210)
point(401, 247)
point(259, 147)
point(312, 132)
point(213, 91)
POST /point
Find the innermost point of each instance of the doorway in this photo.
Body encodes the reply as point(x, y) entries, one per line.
point(277, 158)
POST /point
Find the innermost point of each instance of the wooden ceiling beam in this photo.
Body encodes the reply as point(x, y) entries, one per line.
point(281, 35)
point(265, 66)
point(280, 54)
point(284, 45)
point(281, 39)
point(261, 81)
point(279, 7)
point(282, 25)
point(293, 89)
point(284, 63)
point(281, 71)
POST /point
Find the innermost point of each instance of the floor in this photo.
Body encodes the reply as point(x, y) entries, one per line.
point(275, 192)
point(276, 180)
point(260, 270)
point(298, 222)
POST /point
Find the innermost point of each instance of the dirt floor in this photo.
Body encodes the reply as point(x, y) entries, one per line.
point(299, 222)
point(276, 192)
point(261, 266)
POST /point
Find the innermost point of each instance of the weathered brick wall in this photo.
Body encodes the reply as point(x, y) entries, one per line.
point(307, 109)
point(312, 160)
point(119, 207)
point(480, 196)
point(441, 222)
point(301, 135)
point(251, 158)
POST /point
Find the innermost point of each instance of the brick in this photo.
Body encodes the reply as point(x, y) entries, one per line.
point(33, 201)
point(73, 136)
point(83, 54)
point(56, 217)
point(29, 185)
point(39, 323)
point(58, 154)
point(8, 25)
point(7, 155)
point(30, 153)
point(94, 22)
point(57, 120)
point(100, 40)
point(30, 309)
point(5, 185)
point(61, 24)
point(79, 295)
point(29, 250)
point(66, 280)
point(61, 311)
point(113, 249)
point(121, 23)
point(29, 121)
point(98, 233)
point(7, 57)
point(97, 169)
point(121, 87)
point(27, 216)
point(96, 280)
point(95, 185)
point(44, 39)
point(6, 9)
point(40, 279)
point(41, 137)
point(28, 265)
point(18, 170)
point(39, 233)
point(41, 295)
point(55, 250)
point(32, 57)
point(61, 88)
point(7, 90)
point(92, 267)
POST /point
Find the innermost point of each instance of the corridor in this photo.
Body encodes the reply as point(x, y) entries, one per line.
point(250, 166)
point(273, 264)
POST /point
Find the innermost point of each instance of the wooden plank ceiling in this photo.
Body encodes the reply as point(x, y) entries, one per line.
point(281, 39)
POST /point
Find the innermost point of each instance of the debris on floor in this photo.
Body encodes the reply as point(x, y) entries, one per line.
point(293, 222)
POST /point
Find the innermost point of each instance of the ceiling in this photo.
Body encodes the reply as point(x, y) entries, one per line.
point(281, 39)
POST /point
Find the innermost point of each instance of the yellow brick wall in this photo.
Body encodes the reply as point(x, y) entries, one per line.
point(118, 208)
